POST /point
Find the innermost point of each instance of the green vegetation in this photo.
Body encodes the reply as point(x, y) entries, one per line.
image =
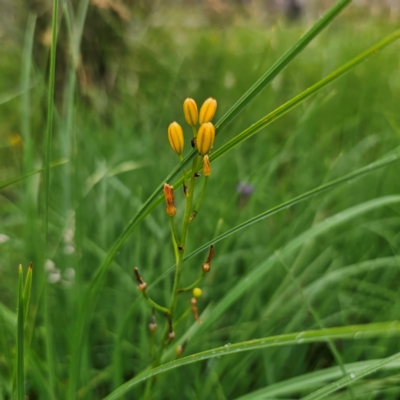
point(302, 297)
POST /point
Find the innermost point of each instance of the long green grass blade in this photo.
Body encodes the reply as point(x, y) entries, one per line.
point(383, 162)
point(153, 201)
point(259, 272)
point(49, 130)
point(295, 101)
point(20, 337)
point(27, 291)
point(346, 332)
point(50, 110)
point(311, 380)
point(350, 379)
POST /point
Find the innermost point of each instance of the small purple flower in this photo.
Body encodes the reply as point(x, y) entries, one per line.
point(244, 190)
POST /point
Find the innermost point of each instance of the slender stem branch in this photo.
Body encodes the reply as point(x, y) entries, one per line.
point(155, 305)
point(184, 174)
point(193, 285)
point(196, 209)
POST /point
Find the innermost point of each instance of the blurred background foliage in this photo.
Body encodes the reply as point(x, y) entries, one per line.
point(139, 60)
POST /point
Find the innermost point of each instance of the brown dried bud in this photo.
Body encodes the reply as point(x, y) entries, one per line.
point(206, 267)
point(175, 137)
point(207, 110)
point(205, 138)
point(152, 327)
point(190, 112)
point(169, 199)
point(171, 335)
point(195, 311)
point(206, 166)
point(142, 286)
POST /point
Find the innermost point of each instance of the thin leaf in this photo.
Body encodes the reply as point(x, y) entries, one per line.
point(383, 162)
point(20, 337)
point(49, 130)
point(346, 332)
point(351, 378)
point(258, 273)
point(27, 291)
point(313, 379)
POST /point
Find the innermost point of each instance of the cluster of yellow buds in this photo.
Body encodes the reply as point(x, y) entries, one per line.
point(205, 135)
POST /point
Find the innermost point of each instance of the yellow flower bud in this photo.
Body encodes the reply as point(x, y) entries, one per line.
point(197, 292)
point(205, 138)
point(190, 112)
point(175, 137)
point(169, 199)
point(207, 110)
point(206, 166)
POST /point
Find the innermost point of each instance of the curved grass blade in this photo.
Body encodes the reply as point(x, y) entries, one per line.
point(322, 335)
point(313, 379)
point(22, 177)
point(324, 226)
point(383, 162)
point(153, 201)
point(351, 378)
point(20, 337)
point(295, 101)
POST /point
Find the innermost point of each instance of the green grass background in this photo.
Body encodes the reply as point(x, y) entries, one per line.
point(118, 152)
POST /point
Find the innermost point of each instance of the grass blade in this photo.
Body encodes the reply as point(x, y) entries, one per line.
point(27, 290)
point(322, 335)
point(153, 200)
point(383, 162)
point(350, 379)
point(297, 100)
point(258, 273)
point(20, 337)
point(300, 383)
point(50, 111)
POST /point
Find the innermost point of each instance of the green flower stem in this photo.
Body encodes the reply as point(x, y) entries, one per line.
point(179, 261)
point(175, 238)
point(196, 209)
point(184, 172)
point(193, 285)
point(185, 228)
point(155, 305)
point(194, 130)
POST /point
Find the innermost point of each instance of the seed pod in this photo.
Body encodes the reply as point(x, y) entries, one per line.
point(197, 292)
point(169, 199)
point(205, 138)
point(206, 166)
point(207, 110)
point(175, 137)
point(190, 112)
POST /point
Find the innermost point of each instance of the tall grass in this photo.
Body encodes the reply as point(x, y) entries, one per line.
point(312, 250)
